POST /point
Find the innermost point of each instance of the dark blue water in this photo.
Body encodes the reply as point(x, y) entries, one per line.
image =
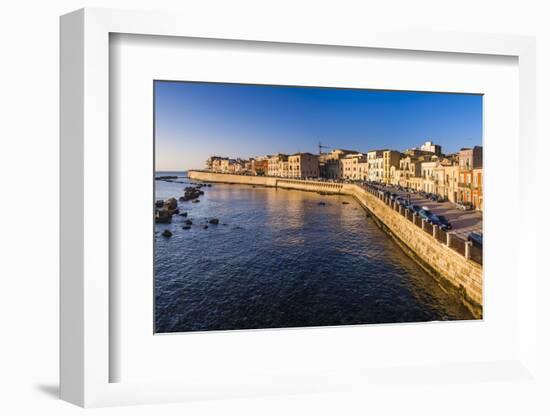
point(279, 259)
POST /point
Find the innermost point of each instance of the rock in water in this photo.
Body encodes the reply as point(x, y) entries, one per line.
point(171, 203)
point(163, 216)
point(214, 221)
point(205, 226)
point(321, 203)
point(167, 233)
point(190, 193)
point(186, 227)
point(196, 201)
point(183, 214)
point(188, 222)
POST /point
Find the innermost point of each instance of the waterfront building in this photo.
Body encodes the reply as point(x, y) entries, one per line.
point(429, 183)
point(273, 164)
point(375, 165)
point(415, 183)
point(451, 181)
point(220, 165)
point(330, 165)
point(303, 165)
point(470, 159)
point(284, 170)
point(354, 167)
point(209, 164)
point(410, 167)
point(477, 188)
point(397, 176)
point(248, 165)
point(259, 165)
point(389, 158)
point(363, 167)
point(232, 166)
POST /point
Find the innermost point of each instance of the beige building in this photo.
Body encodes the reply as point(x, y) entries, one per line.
point(330, 165)
point(354, 167)
point(211, 162)
point(397, 176)
point(283, 168)
point(428, 179)
point(273, 164)
point(450, 182)
point(220, 165)
point(303, 165)
point(410, 167)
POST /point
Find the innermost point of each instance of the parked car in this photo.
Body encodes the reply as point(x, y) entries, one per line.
point(476, 239)
point(414, 208)
point(433, 197)
point(402, 201)
point(425, 214)
point(441, 221)
point(464, 206)
point(441, 199)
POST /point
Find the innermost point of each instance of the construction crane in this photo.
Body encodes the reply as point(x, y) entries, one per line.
point(321, 147)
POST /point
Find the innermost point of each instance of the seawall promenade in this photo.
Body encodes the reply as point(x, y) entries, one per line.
point(432, 248)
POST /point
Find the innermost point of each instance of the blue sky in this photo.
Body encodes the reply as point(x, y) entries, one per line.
point(196, 120)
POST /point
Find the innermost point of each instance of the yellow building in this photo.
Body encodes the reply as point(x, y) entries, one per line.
point(389, 158)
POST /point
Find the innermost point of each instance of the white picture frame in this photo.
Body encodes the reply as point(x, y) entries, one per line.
point(85, 216)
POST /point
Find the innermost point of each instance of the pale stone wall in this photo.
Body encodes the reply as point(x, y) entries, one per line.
point(458, 270)
point(447, 263)
point(228, 178)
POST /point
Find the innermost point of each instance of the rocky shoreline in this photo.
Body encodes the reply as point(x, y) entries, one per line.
point(165, 210)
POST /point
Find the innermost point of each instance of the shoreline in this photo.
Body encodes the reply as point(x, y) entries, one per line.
point(444, 264)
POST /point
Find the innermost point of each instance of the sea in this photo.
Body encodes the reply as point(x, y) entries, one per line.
point(285, 259)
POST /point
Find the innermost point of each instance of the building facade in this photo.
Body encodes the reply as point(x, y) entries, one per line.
point(375, 165)
point(303, 166)
point(431, 147)
point(354, 167)
point(273, 164)
point(470, 160)
point(389, 158)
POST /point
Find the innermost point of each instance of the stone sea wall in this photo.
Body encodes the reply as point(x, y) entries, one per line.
point(439, 259)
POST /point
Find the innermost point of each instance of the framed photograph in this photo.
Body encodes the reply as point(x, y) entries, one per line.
point(266, 211)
